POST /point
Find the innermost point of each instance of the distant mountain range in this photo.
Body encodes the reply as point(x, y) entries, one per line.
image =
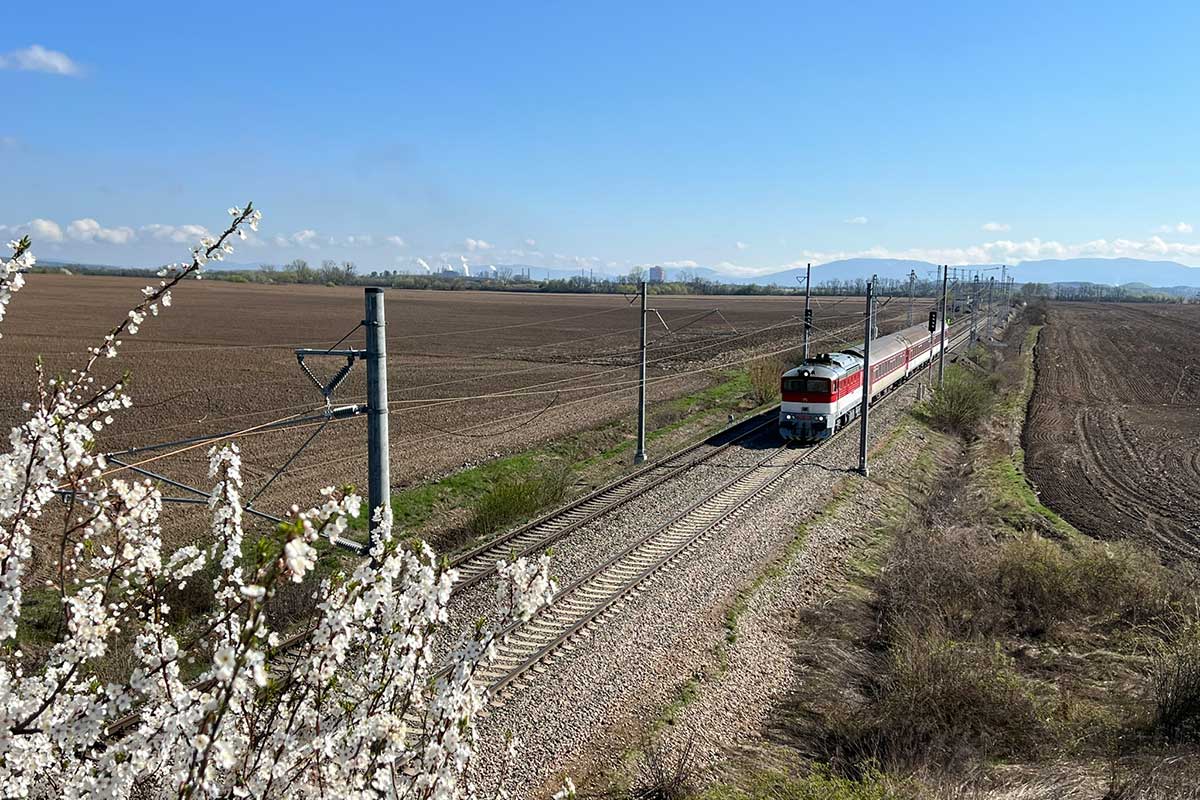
point(1111, 271)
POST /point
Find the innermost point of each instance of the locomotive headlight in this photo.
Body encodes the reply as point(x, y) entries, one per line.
point(787, 416)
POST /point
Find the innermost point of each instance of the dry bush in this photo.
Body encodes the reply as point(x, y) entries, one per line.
point(936, 580)
point(1032, 575)
point(1044, 583)
point(1036, 312)
point(1174, 674)
point(962, 402)
point(765, 376)
point(938, 703)
point(664, 774)
point(1174, 776)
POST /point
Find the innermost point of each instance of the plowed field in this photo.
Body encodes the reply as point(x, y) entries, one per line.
point(221, 359)
point(1113, 440)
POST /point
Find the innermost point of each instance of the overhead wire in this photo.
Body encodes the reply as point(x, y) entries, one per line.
point(522, 392)
point(654, 381)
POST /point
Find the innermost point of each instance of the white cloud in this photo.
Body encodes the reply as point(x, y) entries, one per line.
point(361, 240)
point(179, 234)
point(41, 231)
point(45, 230)
point(685, 264)
point(856, 221)
point(395, 240)
point(9, 143)
point(730, 268)
point(89, 230)
point(995, 227)
point(1178, 227)
point(531, 242)
point(741, 245)
point(305, 238)
point(476, 244)
point(36, 58)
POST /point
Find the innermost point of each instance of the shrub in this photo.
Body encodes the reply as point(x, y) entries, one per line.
point(962, 402)
point(937, 702)
point(1042, 582)
point(1175, 683)
point(764, 379)
point(513, 500)
point(1036, 312)
point(664, 774)
point(1035, 580)
point(936, 580)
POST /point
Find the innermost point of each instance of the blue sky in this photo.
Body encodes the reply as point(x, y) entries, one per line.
point(735, 135)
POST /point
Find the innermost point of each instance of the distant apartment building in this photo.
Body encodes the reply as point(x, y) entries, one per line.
point(657, 275)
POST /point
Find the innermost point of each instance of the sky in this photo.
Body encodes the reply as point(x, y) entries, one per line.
point(746, 137)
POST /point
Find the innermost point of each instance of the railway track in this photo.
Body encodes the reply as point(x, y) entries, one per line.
point(534, 537)
point(522, 647)
point(579, 607)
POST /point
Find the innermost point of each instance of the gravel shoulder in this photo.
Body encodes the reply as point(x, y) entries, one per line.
point(600, 695)
point(729, 722)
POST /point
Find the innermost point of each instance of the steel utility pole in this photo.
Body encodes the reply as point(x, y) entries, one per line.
point(991, 317)
point(379, 478)
point(975, 308)
point(866, 381)
point(639, 456)
point(942, 351)
point(807, 306)
point(912, 295)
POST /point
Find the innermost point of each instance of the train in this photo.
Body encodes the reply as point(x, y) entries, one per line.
point(825, 392)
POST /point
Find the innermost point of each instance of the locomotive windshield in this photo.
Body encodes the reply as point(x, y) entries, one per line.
point(806, 385)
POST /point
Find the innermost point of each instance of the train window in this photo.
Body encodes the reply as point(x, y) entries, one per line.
point(806, 385)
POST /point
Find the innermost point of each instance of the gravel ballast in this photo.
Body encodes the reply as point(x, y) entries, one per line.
point(597, 696)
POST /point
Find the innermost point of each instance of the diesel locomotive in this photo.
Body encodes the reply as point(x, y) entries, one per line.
point(825, 392)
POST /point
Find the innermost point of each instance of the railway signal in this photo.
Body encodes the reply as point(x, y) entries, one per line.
point(933, 320)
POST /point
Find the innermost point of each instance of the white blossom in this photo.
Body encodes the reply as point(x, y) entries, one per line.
point(333, 723)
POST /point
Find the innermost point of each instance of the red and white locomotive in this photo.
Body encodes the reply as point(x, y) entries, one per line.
point(824, 393)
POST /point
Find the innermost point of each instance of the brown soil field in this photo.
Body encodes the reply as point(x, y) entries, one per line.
point(221, 359)
point(1113, 437)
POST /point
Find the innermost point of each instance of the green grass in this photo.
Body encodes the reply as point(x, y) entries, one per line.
point(729, 395)
point(414, 507)
point(40, 623)
point(821, 783)
point(1014, 500)
point(1015, 404)
point(495, 483)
